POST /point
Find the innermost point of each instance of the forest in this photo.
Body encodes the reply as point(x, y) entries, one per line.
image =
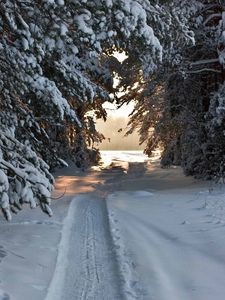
point(57, 67)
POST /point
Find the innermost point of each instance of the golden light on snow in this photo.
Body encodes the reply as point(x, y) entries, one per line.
point(73, 185)
point(123, 159)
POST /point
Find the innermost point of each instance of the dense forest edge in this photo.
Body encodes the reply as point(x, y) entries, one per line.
point(57, 69)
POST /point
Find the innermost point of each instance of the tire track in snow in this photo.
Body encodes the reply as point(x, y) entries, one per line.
point(86, 267)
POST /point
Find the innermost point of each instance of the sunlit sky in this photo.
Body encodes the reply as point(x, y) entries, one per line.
point(121, 56)
point(111, 108)
point(115, 127)
point(123, 111)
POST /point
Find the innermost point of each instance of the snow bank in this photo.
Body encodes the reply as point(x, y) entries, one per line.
point(55, 289)
point(130, 282)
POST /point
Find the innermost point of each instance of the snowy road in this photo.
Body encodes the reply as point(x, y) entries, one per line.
point(171, 227)
point(175, 259)
point(129, 230)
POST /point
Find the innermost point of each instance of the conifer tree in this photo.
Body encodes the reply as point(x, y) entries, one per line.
point(52, 75)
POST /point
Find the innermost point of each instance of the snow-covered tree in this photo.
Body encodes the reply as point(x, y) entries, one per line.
point(53, 73)
point(190, 106)
point(148, 92)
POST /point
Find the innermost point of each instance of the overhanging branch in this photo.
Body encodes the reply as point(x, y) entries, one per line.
point(204, 70)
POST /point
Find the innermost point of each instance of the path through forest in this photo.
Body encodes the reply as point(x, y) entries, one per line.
point(125, 230)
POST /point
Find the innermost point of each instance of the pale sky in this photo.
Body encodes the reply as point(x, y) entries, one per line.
point(118, 119)
point(121, 56)
point(123, 111)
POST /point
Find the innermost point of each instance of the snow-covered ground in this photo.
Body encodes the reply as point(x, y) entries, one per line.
point(170, 235)
point(125, 230)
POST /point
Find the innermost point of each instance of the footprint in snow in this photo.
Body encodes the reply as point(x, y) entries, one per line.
point(133, 283)
point(3, 253)
point(4, 296)
point(185, 223)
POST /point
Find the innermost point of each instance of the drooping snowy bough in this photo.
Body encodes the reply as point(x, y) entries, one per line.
point(24, 177)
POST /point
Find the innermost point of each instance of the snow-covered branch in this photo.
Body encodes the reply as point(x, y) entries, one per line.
point(204, 62)
point(204, 70)
point(211, 17)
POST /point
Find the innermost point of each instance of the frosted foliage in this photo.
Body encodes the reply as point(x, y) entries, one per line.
point(217, 107)
point(135, 16)
point(24, 177)
point(182, 109)
point(52, 74)
point(221, 42)
point(82, 23)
